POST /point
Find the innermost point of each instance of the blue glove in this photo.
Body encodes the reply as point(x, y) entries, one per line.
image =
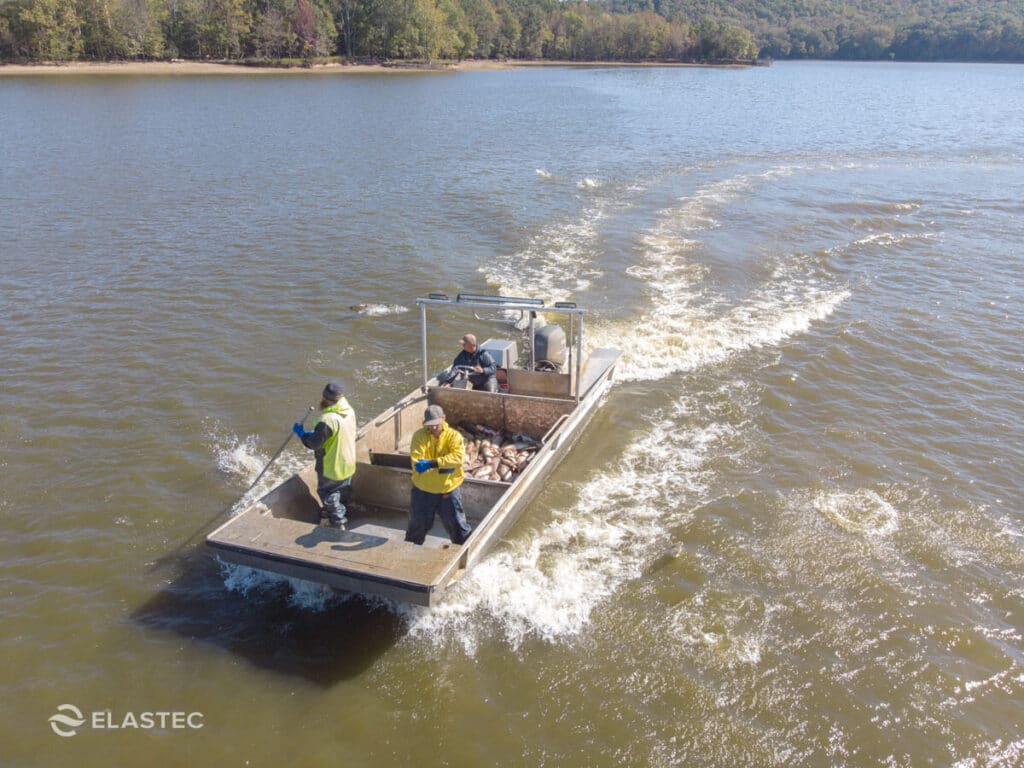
point(298, 429)
point(422, 465)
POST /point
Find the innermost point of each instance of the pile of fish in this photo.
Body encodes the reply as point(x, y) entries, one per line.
point(493, 454)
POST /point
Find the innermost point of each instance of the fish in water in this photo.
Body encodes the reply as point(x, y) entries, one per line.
point(377, 309)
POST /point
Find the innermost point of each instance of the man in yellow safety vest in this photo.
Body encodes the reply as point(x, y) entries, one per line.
point(333, 442)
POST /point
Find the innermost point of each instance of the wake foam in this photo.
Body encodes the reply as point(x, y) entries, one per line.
point(547, 585)
point(305, 595)
point(557, 263)
point(686, 326)
point(890, 239)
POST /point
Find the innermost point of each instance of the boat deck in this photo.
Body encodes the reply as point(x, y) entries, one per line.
point(372, 545)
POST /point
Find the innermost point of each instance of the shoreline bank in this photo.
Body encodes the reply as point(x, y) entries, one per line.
point(228, 68)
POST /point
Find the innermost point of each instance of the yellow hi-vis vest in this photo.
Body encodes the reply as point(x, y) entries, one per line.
point(340, 448)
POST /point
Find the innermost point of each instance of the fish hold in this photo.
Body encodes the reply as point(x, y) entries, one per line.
point(493, 454)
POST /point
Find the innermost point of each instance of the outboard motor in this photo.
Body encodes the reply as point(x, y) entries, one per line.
point(549, 348)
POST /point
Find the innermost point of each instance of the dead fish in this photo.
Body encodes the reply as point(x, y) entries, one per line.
point(378, 310)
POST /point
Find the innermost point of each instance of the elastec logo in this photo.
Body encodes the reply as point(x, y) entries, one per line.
point(66, 724)
point(70, 718)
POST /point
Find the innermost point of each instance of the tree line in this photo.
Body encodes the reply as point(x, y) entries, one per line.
point(567, 30)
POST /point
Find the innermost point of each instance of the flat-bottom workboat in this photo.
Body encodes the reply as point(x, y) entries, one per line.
point(544, 403)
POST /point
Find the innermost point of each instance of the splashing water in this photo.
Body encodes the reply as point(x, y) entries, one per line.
point(547, 585)
point(306, 595)
point(242, 459)
point(862, 511)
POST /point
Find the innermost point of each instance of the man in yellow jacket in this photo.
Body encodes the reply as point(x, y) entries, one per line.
point(333, 442)
point(436, 453)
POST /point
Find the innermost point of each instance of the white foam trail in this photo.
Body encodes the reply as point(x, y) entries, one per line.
point(686, 326)
point(588, 183)
point(543, 174)
point(889, 239)
point(548, 584)
point(557, 263)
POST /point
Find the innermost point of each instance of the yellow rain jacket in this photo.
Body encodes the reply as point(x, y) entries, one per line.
point(448, 449)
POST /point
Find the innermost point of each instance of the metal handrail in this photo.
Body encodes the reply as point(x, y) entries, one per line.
point(502, 303)
point(464, 297)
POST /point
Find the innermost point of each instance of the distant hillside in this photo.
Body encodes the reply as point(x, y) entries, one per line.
point(298, 31)
point(919, 30)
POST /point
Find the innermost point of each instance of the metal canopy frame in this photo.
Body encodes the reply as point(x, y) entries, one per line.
point(532, 306)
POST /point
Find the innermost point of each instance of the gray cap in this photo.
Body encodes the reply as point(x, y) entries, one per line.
point(433, 415)
point(332, 392)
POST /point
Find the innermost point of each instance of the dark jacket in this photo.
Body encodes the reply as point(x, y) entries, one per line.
point(481, 357)
point(315, 441)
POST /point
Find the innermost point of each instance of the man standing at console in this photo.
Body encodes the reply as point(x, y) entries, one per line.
point(437, 452)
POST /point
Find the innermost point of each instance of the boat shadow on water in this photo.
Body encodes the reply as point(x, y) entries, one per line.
point(266, 627)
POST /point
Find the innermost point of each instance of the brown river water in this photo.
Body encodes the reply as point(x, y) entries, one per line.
point(793, 534)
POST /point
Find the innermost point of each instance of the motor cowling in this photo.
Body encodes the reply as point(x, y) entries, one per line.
point(550, 350)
